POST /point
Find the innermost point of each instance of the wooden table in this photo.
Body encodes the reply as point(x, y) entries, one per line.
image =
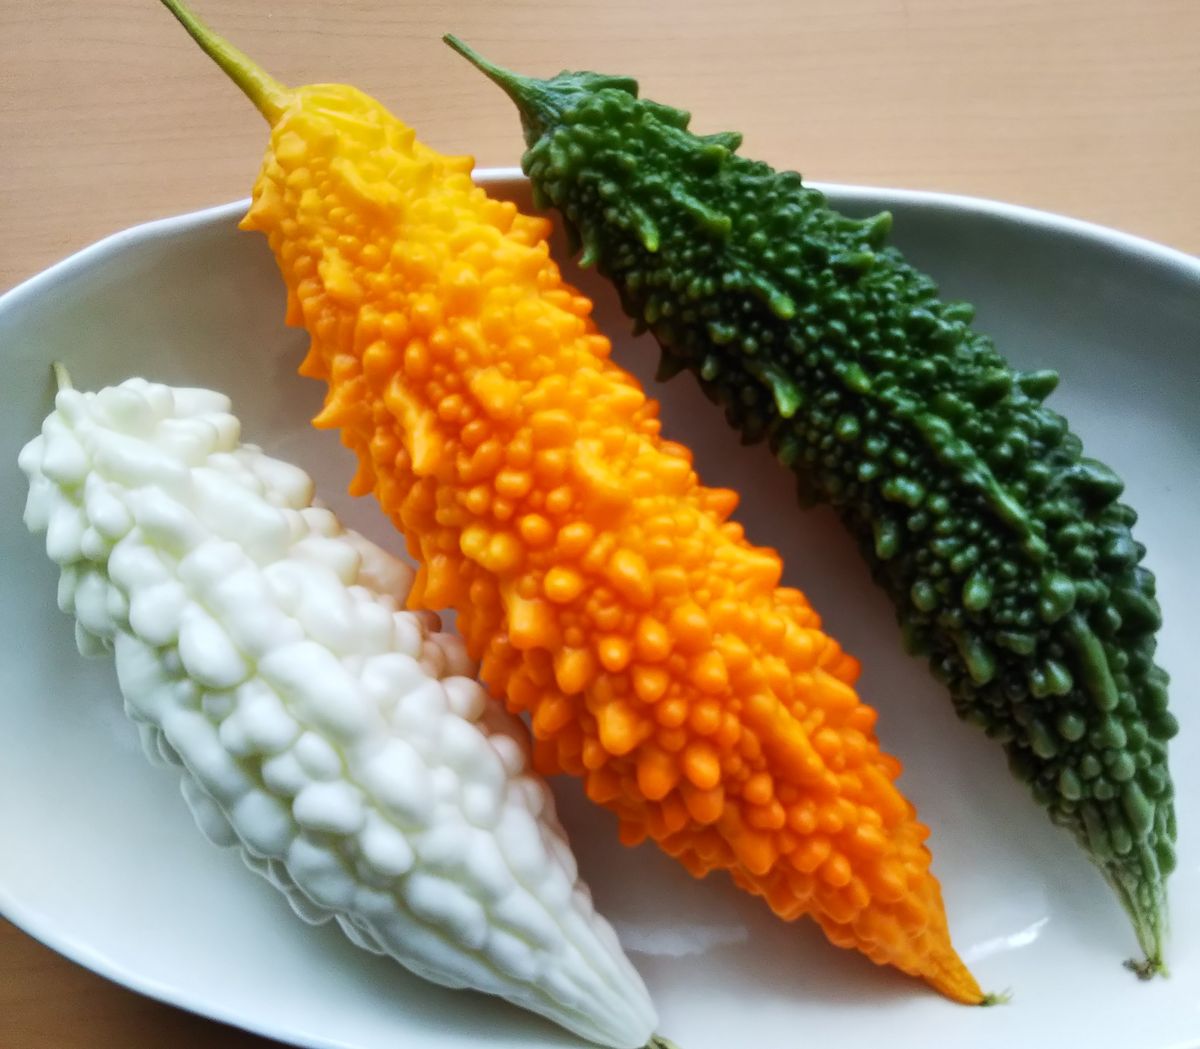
point(109, 116)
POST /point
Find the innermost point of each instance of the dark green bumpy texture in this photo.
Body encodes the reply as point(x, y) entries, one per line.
point(1005, 550)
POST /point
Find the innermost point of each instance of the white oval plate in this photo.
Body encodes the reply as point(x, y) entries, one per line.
point(100, 858)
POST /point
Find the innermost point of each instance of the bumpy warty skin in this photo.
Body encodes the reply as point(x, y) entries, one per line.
point(1004, 548)
point(332, 737)
point(606, 591)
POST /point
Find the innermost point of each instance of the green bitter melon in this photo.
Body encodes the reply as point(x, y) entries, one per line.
point(1006, 551)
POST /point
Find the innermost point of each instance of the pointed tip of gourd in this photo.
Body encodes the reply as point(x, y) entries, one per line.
point(1147, 913)
point(268, 95)
point(1151, 934)
point(62, 377)
point(996, 998)
point(1147, 968)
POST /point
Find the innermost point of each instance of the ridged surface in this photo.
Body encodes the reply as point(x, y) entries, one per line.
point(317, 726)
point(1005, 550)
point(603, 587)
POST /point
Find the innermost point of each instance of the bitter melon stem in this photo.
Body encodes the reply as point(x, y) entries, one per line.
point(536, 104)
point(268, 95)
point(512, 83)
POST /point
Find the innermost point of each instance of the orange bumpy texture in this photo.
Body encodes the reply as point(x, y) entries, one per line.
point(605, 590)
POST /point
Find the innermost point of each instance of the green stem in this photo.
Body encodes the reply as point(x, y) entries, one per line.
point(536, 100)
point(62, 377)
point(659, 1042)
point(269, 96)
point(514, 85)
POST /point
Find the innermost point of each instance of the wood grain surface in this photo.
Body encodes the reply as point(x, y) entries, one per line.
point(109, 116)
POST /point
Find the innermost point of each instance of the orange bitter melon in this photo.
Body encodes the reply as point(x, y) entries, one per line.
point(606, 591)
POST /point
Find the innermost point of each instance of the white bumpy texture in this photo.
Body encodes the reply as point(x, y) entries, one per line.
point(331, 736)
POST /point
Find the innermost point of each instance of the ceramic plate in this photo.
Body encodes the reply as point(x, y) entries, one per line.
point(100, 858)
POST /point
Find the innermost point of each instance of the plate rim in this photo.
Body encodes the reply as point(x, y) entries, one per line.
point(1046, 221)
point(52, 935)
